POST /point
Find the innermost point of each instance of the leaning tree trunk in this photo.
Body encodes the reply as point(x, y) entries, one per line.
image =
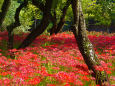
point(85, 46)
point(57, 27)
point(40, 28)
point(5, 7)
point(13, 26)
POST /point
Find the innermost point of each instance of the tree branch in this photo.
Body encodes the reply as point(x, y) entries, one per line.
point(16, 17)
point(5, 7)
point(40, 28)
point(38, 4)
point(62, 19)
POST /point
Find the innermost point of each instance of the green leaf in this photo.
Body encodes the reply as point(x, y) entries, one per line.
point(54, 4)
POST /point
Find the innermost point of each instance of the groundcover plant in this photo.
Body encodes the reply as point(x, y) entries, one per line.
point(54, 61)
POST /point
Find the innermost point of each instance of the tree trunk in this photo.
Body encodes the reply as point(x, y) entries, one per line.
point(56, 28)
point(54, 21)
point(85, 46)
point(5, 7)
point(40, 28)
point(13, 26)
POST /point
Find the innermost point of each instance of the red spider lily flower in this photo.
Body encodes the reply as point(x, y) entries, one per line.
point(79, 83)
point(78, 58)
point(99, 68)
point(85, 78)
point(6, 81)
point(108, 72)
point(65, 77)
point(67, 84)
point(34, 81)
point(44, 72)
point(13, 50)
point(1, 38)
point(18, 74)
point(0, 54)
point(97, 85)
point(4, 73)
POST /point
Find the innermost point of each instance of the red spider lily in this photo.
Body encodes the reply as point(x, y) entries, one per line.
point(65, 77)
point(99, 68)
point(108, 72)
point(13, 50)
point(19, 74)
point(67, 84)
point(97, 85)
point(63, 53)
point(0, 54)
point(6, 81)
point(85, 78)
point(44, 72)
point(34, 81)
point(79, 83)
point(4, 73)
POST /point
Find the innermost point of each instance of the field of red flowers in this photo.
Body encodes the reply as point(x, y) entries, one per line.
point(54, 61)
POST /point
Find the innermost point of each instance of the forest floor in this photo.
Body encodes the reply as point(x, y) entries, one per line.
point(54, 60)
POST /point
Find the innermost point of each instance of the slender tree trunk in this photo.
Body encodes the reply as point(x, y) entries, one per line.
point(56, 28)
point(40, 28)
point(5, 7)
point(85, 46)
point(54, 21)
point(13, 26)
point(10, 39)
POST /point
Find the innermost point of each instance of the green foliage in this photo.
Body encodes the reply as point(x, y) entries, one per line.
point(57, 6)
point(58, 3)
point(69, 14)
point(1, 2)
point(27, 15)
point(10, 14)
point(99, 11)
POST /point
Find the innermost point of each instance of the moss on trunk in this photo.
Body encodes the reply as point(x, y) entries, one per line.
point(85, 46)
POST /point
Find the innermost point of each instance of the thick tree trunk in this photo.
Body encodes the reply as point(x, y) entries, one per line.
point(5, 7)
point(85, 46)
point(40, 28)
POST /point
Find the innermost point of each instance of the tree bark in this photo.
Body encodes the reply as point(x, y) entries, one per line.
point(56, 28)
point(38, 4)
point(14, 25)
point(54, 21)
point(5, 7)
point(40, 28)
point(85, 46)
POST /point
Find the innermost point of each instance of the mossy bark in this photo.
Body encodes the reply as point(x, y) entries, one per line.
point(85, 46)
